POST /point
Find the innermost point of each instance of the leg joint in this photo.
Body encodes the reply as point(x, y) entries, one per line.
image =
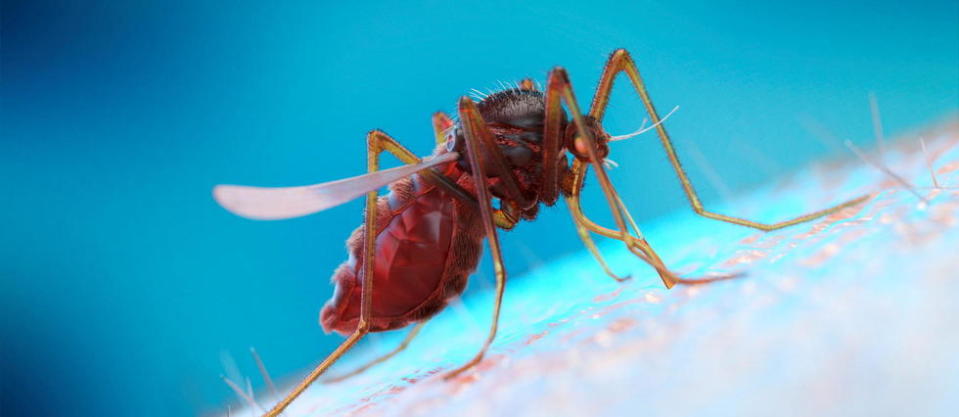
point(373, 139)
point(363, 326)
point(619, 55)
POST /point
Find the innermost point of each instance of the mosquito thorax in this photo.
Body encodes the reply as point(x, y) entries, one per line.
point(515, 117)
point(524, 109)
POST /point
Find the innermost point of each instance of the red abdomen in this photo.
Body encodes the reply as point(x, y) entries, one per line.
point(427, 244)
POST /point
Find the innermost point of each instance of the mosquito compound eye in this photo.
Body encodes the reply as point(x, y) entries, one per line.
point(579, 146)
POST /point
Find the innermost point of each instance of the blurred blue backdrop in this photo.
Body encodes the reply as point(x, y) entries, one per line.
point(123, 283)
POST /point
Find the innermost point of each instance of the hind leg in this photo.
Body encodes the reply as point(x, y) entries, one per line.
point(377, 143)
point(403, 345)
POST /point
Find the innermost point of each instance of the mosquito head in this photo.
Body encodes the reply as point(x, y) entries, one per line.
point(578, 146)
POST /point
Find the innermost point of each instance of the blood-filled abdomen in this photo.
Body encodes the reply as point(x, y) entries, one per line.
point(427, 244)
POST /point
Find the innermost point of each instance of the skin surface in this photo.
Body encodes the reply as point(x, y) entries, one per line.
point(852, 314)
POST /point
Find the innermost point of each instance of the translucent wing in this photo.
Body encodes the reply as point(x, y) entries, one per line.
point(274, 203)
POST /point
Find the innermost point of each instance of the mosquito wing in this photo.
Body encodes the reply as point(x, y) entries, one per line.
point(274, 203)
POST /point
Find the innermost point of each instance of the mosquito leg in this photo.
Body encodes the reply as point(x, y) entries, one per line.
point(476, 135)
point(377, 142)
point(322, 367)
point(588, 242)
point(385, 143)
point(621, 61)
point(639, 247)
point(498, 162)
point(559, 88)
point(553, 133)
point(441, 123)
point(636, 244)
point(406, 342)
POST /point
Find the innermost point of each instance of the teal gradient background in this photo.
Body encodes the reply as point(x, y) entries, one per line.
point(123, 283)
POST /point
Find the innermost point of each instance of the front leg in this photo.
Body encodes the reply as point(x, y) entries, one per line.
point(637, 245)
point(402, 346)
point(620, 61)
point(557, 177)
point(377, 142)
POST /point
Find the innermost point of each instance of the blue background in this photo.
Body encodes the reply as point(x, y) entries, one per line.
point(124, 284)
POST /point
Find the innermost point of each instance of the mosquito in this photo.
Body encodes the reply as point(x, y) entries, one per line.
point(421, 241)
